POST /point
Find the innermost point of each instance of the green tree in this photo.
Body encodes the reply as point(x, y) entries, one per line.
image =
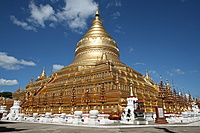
point(6, 94)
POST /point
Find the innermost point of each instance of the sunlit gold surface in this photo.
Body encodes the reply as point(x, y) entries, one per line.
point(97, 79)
point(95, 42)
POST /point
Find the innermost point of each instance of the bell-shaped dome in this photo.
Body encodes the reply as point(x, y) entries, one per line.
point(94, 44)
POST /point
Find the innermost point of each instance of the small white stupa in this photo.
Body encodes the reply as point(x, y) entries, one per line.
point(3, 109)
point(14, 111)
point(128, 116)
point(133, 113)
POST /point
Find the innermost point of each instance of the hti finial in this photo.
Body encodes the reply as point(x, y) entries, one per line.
point(43, 73)
point(161, 76)
point(97, 11)
point(97, 6)
point(147, 74)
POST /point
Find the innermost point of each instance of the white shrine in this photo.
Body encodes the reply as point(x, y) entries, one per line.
point(3, 109)
point(128, 116)
point(14, 111)
point(132, 114)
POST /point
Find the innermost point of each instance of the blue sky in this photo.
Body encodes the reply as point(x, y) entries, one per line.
point(161, 36)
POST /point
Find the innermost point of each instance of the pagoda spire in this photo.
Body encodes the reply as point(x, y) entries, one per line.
point(97, 28)
point(18, 89)
point(97, 12)
point(167, 83)
point(31, 80)
point(131, 90)
point(42, 75)
point(147, 74)
point(95, 43)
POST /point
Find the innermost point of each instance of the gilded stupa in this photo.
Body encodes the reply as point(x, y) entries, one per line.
point(96, 80)
point(96, 45)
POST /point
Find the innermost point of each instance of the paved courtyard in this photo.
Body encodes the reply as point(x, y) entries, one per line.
point(53, 128)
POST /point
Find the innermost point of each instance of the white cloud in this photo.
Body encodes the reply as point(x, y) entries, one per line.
point(139, 63)
point(12, 63)
point(76, 12)
point(73, 15)
point(154, 73)
point(193, 71)
point(54, 1)
point(169, 73)
point(175, 71)
point(8, 82)
point(52, 25)
point(178, 71)
point(24, 25)
point(28, 63)
point(56, 67)
point(116, 15)
point(118, 29)
point(66, 34)
point(130, 50)
point(41, 14)
point(114, 3)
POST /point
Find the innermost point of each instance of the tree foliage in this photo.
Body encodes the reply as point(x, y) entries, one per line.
point(6, 94)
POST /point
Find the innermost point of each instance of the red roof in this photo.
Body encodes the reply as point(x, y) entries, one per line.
point(138, 101)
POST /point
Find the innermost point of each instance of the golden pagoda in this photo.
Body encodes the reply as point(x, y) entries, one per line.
point(96, 80)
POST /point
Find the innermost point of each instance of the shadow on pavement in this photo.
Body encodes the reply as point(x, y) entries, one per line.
point(4, 122)
point(4, 129)
point(165, 130)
